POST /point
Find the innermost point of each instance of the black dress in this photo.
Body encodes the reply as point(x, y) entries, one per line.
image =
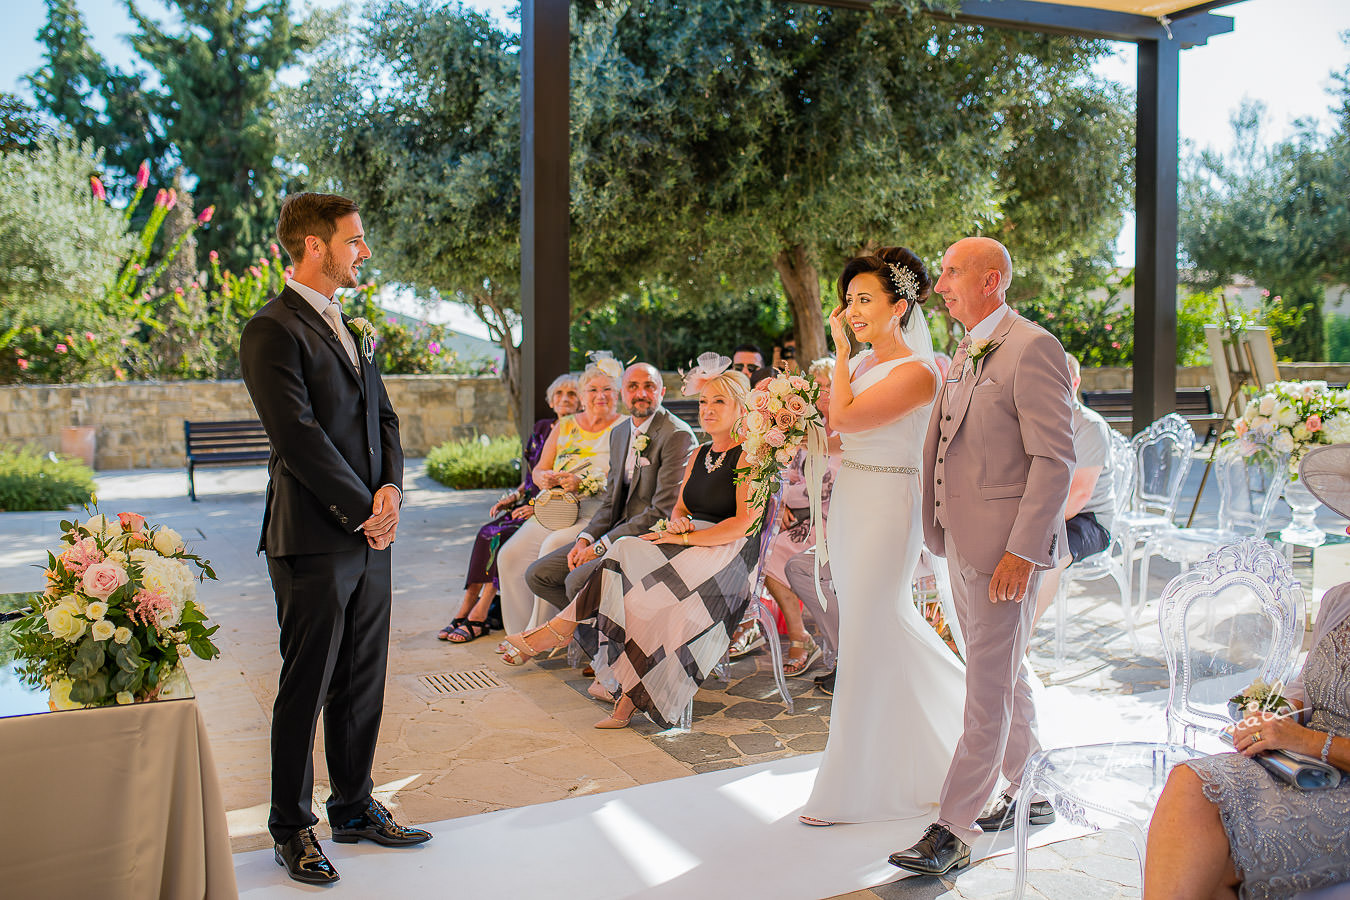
point(656, 618)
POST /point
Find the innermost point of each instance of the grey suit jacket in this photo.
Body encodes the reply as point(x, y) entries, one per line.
point(998, 456)
point(635, 507)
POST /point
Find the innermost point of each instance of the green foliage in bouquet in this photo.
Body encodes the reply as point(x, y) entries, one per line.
point(474, 463)
point(118, 615)
point(30, 480)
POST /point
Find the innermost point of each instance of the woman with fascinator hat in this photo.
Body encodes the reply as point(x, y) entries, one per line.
point(1224, 826)
point(899, 690)
point(658, 613)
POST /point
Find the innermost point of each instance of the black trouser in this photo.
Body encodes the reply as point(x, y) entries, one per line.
point(333, 610)
point(1086, 535)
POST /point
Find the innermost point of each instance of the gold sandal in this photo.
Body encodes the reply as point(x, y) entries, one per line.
point(793, 668)
point(520, 651)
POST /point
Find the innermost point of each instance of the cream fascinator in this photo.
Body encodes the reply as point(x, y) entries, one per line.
point(710, 365)
point(605, 362)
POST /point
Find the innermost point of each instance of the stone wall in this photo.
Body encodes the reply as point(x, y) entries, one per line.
point(140, 424)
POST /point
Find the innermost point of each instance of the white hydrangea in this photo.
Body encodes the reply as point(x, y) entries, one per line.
point(1337, 428)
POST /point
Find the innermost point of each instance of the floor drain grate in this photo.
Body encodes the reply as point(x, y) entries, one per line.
point(445, 683)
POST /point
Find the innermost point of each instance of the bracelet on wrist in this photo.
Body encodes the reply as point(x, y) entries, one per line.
point(1326, 748)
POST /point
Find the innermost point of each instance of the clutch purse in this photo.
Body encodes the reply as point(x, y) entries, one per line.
point(556, 508)
point(1306, 773)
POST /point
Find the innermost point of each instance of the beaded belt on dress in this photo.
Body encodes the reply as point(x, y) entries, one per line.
point(895, 470)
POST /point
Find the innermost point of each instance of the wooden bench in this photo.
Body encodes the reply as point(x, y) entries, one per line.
point(1195, 405)
point(686, 411)
point(223, 444)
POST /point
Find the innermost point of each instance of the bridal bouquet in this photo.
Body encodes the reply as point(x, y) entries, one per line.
point(782, 417)
point(1293, 417)
point(118, 616)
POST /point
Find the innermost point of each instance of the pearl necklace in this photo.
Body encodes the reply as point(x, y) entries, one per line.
point(711, 466)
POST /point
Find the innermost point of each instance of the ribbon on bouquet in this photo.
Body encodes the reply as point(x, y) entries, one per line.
point(817, 464)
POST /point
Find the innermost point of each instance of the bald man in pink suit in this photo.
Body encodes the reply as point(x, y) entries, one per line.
point(998, 460)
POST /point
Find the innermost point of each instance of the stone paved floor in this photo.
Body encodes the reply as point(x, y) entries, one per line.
point(529, 738)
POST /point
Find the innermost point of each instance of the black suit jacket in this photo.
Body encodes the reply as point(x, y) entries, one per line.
point(333, 431)
point(633, 508)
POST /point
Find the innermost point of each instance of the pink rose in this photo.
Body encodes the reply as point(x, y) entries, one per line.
point(774, 438)
point(1240, 427)
point(101, 579)
point(761, 401)
point(131, 521)
point(784, 420)
point(783, 455)
point(795, 405)
point(797, 383)
point(1314, 423)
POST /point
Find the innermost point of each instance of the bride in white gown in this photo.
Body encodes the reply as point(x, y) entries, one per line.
point(899, 691)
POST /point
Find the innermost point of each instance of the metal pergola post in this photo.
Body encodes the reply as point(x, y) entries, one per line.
point(545, 41)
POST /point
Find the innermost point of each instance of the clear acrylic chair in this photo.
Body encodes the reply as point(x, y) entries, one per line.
point(1248, 487)
point(1163, 456)
point(1111, 562)
point(1231, 619)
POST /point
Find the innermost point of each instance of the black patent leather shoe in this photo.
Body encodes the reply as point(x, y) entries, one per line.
point(937, 853)
point(826, 683)
point(376, 824)
point(1004, 815)
point(302, 858)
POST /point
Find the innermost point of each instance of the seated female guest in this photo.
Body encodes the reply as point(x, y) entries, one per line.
point(657, 615)
point(1224, 826)
point(508, 514)
point(577, 447)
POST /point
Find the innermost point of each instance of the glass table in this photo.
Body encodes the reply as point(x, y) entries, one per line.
point(1320, 567)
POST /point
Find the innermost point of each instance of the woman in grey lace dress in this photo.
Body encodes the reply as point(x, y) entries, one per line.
point(1224, 826)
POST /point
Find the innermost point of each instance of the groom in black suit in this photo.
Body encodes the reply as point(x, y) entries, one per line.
point(332, 510)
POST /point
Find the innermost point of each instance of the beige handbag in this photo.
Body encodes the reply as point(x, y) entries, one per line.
point(556, 508)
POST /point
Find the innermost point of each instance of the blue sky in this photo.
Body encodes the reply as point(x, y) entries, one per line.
point(1282, 53)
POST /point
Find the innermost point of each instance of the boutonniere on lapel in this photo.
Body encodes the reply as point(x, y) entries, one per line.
point(639, 447)
point(366, 333)
point(978, 351)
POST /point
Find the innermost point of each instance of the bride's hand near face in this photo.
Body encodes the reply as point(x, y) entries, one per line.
point(839, 331)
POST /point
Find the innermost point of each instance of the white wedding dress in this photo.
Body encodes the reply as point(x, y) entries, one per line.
point(900, 691)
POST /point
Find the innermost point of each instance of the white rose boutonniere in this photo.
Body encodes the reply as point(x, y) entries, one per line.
point(977, 351)
point(640, 443)
point(365, 331)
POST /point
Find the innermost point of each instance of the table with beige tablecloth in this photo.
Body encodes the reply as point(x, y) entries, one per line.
point(117, 802)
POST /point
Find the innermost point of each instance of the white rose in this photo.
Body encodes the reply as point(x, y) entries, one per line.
point(100, 525)
point(124, 697)
point(59, 694)
point(122, 635)
point(1251, 411)
point(102, 630)
point(1300, 432)
point(168, 542)
point(118, 556)
point(1337, 428)
point(1267, 404)
point(1286, 416)
point(64, 624)
point(96, 609)
point(1283, 442)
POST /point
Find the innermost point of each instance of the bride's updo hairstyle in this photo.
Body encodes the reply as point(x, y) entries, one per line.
point(901, 272)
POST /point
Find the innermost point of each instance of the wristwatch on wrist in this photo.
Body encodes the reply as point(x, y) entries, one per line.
point(600, 547)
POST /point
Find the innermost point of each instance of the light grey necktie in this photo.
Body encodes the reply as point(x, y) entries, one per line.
point(332, 313)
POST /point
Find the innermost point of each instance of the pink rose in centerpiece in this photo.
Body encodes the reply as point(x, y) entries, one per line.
point(1314, 423)
point(131, 521)
point(774, 438)
point(101, 579)
point(1240, 427)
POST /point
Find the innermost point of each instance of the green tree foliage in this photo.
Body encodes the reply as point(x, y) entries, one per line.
point(19, 124)
point(1279, 215)
point(210, 106)
point(59, 245)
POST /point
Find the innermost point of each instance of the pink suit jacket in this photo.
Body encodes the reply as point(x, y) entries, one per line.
point(1002, 450)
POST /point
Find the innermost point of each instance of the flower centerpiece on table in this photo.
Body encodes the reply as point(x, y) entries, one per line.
point(1293, 417)
point(782, 417)
point(118, 616)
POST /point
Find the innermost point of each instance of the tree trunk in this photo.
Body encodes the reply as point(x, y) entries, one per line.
point(491, 312)
point(801, 284)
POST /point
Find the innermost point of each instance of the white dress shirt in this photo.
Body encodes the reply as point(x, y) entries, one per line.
point(321, 304)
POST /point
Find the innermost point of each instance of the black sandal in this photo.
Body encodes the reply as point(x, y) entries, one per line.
point(448, 630)
point(468, 630)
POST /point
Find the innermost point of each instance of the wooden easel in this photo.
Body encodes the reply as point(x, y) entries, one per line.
point(1239, 367)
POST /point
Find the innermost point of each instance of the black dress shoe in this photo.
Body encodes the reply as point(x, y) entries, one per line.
point(1004, 815)
point(376, 824)
point(937, 853)
point(826, 683)
point(302, 858)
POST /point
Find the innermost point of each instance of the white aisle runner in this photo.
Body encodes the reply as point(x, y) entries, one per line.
point(728, 834)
